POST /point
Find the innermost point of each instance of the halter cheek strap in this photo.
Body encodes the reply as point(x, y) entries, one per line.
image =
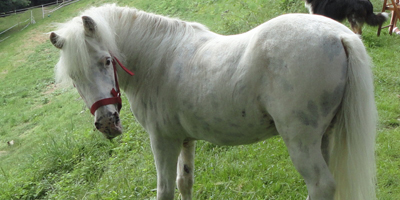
point(116, 99)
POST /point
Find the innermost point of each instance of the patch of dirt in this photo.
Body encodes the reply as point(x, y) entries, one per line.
point(50, 89)
point(27, 46)
point(39, 37)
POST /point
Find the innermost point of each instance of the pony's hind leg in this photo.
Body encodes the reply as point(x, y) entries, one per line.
point(304, 145)
point(325, 148)
point(185, 177)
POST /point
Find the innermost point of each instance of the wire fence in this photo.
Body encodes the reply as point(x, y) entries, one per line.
point(17, 20)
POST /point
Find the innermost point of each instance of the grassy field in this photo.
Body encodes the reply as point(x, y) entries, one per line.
point(21, 20)
point(58, 155)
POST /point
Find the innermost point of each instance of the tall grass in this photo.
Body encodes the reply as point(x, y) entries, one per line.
point(58, 155)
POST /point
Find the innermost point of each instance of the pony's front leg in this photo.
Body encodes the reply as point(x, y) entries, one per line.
point(166, 151)
point(185, 176)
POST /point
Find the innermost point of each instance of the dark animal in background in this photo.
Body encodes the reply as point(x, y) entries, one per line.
point(357, 12)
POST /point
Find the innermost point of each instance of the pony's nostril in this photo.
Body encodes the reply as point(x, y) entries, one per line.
point(116, 117)
point(97, 124)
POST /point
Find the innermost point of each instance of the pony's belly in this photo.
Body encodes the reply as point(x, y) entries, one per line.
point(248, 137)
point(221, 133)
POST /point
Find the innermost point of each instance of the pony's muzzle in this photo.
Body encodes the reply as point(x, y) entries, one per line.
point(109, 125)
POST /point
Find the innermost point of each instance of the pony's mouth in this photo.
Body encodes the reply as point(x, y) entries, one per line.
point(109, 125)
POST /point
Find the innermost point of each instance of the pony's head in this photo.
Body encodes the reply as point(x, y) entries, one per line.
point(87, 50)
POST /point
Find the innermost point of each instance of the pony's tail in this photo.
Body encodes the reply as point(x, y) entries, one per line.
point(352, 159)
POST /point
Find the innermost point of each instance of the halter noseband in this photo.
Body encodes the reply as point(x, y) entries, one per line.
point(116, 99)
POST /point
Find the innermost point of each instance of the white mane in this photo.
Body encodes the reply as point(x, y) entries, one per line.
point(115, 26)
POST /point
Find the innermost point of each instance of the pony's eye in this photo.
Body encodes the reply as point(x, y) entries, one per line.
point(108, 61)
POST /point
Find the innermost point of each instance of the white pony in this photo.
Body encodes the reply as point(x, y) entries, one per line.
point(304, 77)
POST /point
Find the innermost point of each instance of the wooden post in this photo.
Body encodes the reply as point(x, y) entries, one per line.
point(43, 11)
point(32, 20)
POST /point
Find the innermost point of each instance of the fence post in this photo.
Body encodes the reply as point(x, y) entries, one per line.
point(43, 11)
point(32, 20)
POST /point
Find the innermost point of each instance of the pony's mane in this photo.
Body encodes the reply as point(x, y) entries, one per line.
point(130, 24)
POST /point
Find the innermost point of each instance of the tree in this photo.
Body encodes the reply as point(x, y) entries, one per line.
point(40, 2)
point(10, 5)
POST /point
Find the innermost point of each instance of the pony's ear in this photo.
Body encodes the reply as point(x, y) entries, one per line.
point(89, 25)
point(56, 40)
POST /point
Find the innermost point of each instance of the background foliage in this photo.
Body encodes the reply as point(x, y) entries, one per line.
point(12, 5)
point(58, 155)
point(9, 5)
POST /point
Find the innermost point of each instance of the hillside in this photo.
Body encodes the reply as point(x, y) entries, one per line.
point(57, 154)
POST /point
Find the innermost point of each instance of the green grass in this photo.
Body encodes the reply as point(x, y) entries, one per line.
point(21, 19)
point(58, 155)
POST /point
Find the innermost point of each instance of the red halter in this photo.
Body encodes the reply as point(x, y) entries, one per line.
point(116, 99)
